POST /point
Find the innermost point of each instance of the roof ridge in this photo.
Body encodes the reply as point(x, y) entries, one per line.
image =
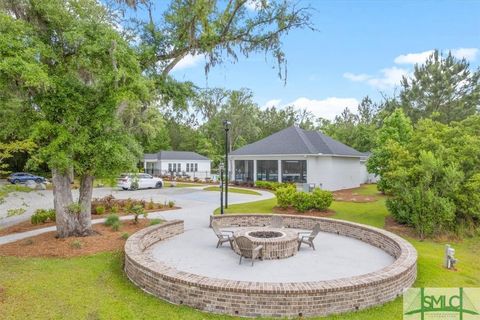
point(305, 140)
point(322, 136)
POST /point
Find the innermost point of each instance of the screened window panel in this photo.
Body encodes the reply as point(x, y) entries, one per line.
point(267, 170)
point(294, 171)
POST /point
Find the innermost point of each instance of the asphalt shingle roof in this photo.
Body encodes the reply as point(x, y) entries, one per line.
point(294, 140)
point(174, 155)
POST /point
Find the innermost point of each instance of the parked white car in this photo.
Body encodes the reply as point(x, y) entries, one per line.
point(130, 181)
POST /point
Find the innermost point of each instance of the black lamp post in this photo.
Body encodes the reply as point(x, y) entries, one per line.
point(220, 167)
point(226, 126)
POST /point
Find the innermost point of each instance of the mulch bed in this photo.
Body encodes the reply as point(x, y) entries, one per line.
point(27, 226)
point(406, 231)
point(399, 229)
point(350, 195)
point(312, 213)
point(46, 245)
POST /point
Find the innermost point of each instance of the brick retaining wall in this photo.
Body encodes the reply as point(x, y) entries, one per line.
point(253, 299)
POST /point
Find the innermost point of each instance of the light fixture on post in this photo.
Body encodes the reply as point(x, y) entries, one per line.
point(226, 126)
point(220, 168)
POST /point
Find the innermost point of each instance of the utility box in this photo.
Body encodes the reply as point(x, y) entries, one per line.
point(308, 187)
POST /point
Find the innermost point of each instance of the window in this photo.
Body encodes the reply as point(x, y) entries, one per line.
point(179, 167)
point(244, 170)
point(169, 167)
point(267, 170)
point(150, 167)
point(294, 171)
point(196, 167)
point(174, 167)
point(188, 167)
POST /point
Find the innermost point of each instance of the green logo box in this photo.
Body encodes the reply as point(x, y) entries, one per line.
point(441, 304)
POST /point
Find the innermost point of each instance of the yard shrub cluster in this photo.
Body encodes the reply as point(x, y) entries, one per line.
point(100, 210)
point(113, 221)
point(302, 201)
point(109, 204)
point(432, 172)
point(137, 211)
point(43, 216)
point(271, 185)
point(285, 196)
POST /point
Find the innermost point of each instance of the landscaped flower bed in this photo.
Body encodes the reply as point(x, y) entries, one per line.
point(109, 204)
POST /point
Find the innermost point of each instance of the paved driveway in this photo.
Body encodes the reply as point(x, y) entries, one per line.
point(191, 198)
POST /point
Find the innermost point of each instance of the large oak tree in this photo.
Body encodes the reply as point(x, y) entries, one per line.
point(87, 81)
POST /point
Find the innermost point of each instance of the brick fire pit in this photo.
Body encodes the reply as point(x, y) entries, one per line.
point(277, 243)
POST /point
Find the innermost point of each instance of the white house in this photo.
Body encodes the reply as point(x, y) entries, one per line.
point(178, 163)
point(300, 156)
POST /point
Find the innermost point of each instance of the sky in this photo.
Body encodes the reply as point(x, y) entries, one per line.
point(361, 48)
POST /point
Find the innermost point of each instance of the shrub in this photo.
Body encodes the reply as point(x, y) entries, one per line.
point(111, 219)
point(76, 244)
point(155, 221)
point(150, 205)
point(302, 201)
point(271, 185)
point(285, 196)
point(321, 199)
point(74, 208)
point(171, 204)
point(137, 210)
point(125, 235)
point(115, 209)
point(43, 216)
point(100, 210)
point(116, 225)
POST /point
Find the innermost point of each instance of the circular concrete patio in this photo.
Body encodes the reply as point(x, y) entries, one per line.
point(354, 267)
point(336, 256)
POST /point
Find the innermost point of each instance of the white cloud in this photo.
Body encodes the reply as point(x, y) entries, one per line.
point(326, 108)
point(386, 79)
point(467, 53)
point(390, 77)
point(413, 58)
point(356, 77)
point(272, 103)
point(189, 61)
point(421, 57)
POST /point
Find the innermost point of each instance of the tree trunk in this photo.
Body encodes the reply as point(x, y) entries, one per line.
point(85, 201)
point(69, 222)
point(62, 199)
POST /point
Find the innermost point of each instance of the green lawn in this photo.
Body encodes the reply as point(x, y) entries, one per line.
point(9, 188)
point(234, 190)
point(45, 288)
point(430, 253)
point(261, 206)
point(168, 184)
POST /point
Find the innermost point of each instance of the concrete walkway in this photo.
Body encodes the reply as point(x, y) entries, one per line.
point(196, 205)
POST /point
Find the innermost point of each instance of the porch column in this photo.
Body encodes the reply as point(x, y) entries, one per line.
point(144, 166)
point(232, 170)
point(254, 171)
point(279, 170)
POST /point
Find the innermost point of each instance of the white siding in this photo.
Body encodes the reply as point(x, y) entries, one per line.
point(327, 172)
point(367, 177)
point(334, 173)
